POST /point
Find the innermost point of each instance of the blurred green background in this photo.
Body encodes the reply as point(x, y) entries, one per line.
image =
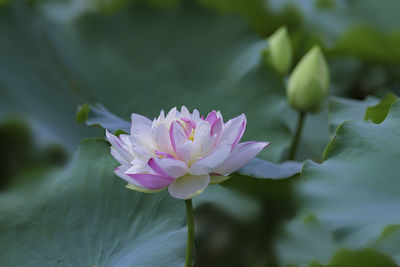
point(146, 55)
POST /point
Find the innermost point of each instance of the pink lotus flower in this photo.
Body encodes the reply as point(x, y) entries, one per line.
point(181, 151)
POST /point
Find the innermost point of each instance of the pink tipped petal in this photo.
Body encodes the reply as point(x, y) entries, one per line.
point(168, 167)
point(212, 117)
point(242, 127)
point(210, 162)
point(177, 135)
point(156, 167)
point(151, 181)
point(140, 124)
point(188, 186)
point(233, 130)
point(240, 156)
point(121, 172)
point(118, 146)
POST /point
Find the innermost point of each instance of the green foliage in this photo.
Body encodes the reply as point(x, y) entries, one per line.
point(354, 194)
point(84, 216)
point(142, 56)
point(378, 113)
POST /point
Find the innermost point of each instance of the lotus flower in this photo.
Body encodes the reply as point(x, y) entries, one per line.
point(181, 151)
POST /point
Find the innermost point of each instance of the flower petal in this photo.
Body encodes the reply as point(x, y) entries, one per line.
point(240, 156)
point(168, 167)
point(140, 124)
point(234, 129)
point(216, 129)
point(118, 156)
point(177, 135)
point(162, 139)
point(185, 112)
point(217, 179)
point(210, 162)
point(151, 181)
point(143, 190)
point(119, 148)
point(188, 186)
point(212, 117)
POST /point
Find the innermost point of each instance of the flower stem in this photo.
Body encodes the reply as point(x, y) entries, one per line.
point(296, 138)
point(190, 225)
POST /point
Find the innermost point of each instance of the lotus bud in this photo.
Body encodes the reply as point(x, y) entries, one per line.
point(279, 53)
point(309, 82)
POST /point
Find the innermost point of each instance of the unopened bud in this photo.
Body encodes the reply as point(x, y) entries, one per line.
point(309, 82)
point(279, 52)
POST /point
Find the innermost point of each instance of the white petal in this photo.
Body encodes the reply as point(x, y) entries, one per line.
point(118, 156)
point(138, 165)
point(185, 112)
point(196, 115)
point(201, 138)
point(171, 116)
point(188, 186)
point(140, 124)
point(172, 167)
point(210, 162)
point(119, 147)
point(240, 156)
point(162, 139)
point(184, 152)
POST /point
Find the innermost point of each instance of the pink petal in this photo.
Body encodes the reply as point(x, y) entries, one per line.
point(240, 156)
point(168, 167)
point(151, 181)
point(190, 125)
point(234, 129)
point(212, 117)
point(177, 135)
point(216, 129)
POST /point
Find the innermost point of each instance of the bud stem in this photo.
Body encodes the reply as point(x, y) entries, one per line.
point(297, 136)
point(190, 225)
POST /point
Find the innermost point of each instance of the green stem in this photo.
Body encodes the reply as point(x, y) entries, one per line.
point(296, 138)
point(190, 225)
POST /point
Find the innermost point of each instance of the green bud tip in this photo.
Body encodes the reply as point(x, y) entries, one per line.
point(279, 53)
point(309, 82)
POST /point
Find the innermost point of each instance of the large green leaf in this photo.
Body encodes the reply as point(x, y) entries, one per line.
point(86, 217)
point(356, 190)
point(309, 243)
point(345, 109)
point(350, 202)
